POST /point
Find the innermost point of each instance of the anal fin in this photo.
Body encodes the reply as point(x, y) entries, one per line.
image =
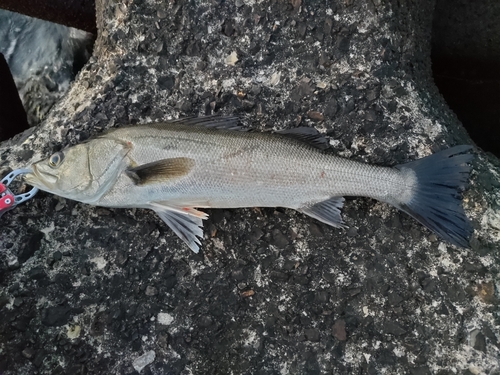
point(327, 211)
point(186, 222)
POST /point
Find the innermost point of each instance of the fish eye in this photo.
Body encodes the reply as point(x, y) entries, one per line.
point(56, 159)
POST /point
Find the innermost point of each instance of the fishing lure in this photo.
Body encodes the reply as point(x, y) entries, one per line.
point(9, 200)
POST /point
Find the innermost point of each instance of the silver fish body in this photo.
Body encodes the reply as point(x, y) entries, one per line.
point(236, 169)
point(174, 168)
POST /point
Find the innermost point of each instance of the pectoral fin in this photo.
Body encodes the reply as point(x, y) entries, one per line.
point(186, 222)
point(160, 171)
point(327, 211)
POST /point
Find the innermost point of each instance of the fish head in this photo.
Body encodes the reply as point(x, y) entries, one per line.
point(83, 172)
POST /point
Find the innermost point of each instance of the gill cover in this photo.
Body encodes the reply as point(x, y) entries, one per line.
point(83, 172)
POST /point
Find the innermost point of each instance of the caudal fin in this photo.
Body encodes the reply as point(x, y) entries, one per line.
point(436, 201)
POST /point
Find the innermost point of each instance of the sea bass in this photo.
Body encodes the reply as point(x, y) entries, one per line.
point(176, 167)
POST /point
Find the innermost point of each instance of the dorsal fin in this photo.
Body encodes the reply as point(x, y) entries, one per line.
point(310, 136)
point(214, 121)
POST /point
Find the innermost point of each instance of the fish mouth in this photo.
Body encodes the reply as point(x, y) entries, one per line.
point(30, 177)
point(39, 178)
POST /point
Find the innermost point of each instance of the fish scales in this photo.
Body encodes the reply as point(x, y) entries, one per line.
point(176, 167)
point(242, 169)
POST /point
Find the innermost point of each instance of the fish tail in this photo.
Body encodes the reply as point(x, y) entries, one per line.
point(435, 200)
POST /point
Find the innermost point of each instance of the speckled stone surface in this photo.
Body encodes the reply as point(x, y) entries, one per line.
point(88, 290)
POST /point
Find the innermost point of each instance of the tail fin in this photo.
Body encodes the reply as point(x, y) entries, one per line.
point(436, 201)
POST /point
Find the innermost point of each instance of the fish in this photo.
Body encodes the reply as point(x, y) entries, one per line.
point(177, 167)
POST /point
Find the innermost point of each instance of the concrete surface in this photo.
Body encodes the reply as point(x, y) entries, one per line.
point(92, 290)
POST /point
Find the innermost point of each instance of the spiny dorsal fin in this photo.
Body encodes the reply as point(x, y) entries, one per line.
point(160, 171)
point(214, 121)
point(310, 136)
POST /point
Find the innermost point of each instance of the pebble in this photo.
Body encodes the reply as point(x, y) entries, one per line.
point(394, 298)
point(433, 238)
point(338, 330)
point(73, 331)
point(162, 340)
point(352, 232)
point(205, 321)
point(60, 205)
point(303, 89)
point(255, 235)
point(165, 319)
point(372, 95)
point(12, 262)
point(477, 340)
point(316, 230)
point(28, 353)
point(56, 316)
point(247, 293)
point(312, 334)
point(231, 59)
point(121, 258)
point(140, 362)
point(315, 115)
point(393, 328)
point(238, 275)
point(279, 239)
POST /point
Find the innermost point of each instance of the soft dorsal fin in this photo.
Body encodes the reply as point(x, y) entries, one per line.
point(310, 136)
point(164, 170)
point(186, 222)
point(327, 211)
